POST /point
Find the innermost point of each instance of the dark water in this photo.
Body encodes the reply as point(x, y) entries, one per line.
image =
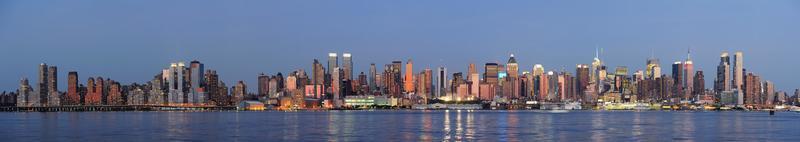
point(400, 126)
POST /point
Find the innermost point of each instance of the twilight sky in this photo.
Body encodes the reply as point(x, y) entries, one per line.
point(132, 40)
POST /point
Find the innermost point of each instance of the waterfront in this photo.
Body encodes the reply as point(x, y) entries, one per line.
point(400, 125)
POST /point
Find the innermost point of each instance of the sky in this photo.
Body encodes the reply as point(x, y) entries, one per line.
point(132, 40)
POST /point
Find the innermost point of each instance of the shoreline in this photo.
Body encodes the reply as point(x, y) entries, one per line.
point(233, 109)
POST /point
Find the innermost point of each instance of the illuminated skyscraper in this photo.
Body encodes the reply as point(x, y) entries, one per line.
point(318, 77)
point(752, 89)
point(651, 72)
point(409, 77)
point(723, 80)
point(72, 98)
point(333, 62)
point(738, 70)
point(512, 82)
point(471, 70)
point(175, 80)
point(768, 97)
point(197, 93)
point(688, 77)
point(94, 91)
point(25, 94)
point(582, 79)
point(347, 66)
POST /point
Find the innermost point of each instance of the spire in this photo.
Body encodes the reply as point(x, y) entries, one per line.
point(689, 54)
point(511, 59)
point(596, 52)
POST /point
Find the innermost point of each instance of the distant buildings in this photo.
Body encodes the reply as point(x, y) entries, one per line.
point(499, 85)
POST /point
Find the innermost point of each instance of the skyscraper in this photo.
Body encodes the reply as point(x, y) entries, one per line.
point(652, 65)
point(175, 80)
point(699, 84)
point(409, 77)
point(738, 70)
point(471, 70)
point(319, 79)
point(373, 73)
point(41, 89)
point(25, 95)
point(582, 79)
point(441, 82)
point(752, 89)
point(768, 96)
point(723, 80)
point(263, 85)
point(197, 83)
point(239, 91)
point(688, 76)
point(490, 75)
point(512, 81)
point(347, 66)
point(677, 75)
point(333, 62)
point(72, 98)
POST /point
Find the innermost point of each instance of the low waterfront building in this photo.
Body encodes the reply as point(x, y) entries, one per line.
point(250, 105)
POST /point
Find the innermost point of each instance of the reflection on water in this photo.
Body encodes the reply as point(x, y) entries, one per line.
point(399, 126)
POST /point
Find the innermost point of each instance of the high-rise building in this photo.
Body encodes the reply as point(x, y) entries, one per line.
point(41, 89)
point(769, 93)
point(333, 62)
point(263, 85)
point(441, 82)
point(677, 75)
point(373, 73)
point(54, 97)
point(752, 89)
point(94, 91)
point(239, 91)
point(197, 92)
point(699, 84)
point(471, 70)
point(428, 82)
point(347, 66)
point(538, 70)
point(688, 76)
point(723, 80)
point(409, 77)
point(738, 70)
point(72, 98)
point(25, 94)
point(319, 79)
point(490, 75)
point(582, 79)
point(653, 69)
point(157, 92)
point(176, 83)
point(512, 81)
point(114, 93)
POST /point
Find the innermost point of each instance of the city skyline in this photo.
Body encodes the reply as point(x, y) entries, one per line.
point(451, 69)
point(242, 40)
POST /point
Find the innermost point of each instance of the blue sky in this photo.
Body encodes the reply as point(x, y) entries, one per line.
point(130, 41)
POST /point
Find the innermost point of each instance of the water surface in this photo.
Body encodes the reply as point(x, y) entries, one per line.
point(399, 126)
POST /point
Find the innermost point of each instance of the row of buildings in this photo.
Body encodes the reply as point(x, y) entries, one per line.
point(336, 85)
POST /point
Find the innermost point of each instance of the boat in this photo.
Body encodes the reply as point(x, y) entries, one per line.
point(558, 111)
point(795, 109)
